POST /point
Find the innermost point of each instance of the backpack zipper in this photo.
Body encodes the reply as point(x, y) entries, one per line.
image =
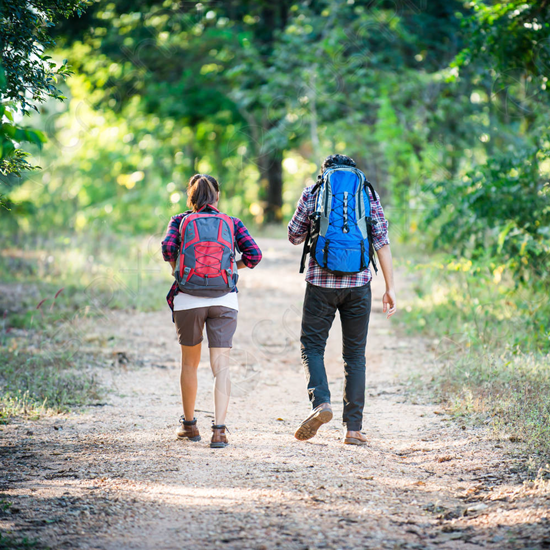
point(345, 227)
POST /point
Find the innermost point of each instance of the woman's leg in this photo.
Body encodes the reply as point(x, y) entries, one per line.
point(219, 361)
point(190, 359)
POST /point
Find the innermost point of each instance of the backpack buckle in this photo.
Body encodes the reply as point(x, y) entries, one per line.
point(185, 275)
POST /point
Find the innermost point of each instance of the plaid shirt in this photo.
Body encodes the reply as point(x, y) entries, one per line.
point(251, 253)
point(318, 276)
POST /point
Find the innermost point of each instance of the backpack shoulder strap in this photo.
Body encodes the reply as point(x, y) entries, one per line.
point(306, 250)
point(186, 214)
point(324, 201)
point(230, 222)
point(369, 185)
point(312, 220)
point(370, 223)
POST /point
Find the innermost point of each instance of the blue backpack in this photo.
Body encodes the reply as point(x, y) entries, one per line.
point(339, 238)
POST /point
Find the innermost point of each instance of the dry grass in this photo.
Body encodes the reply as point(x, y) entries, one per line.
point(32, 384)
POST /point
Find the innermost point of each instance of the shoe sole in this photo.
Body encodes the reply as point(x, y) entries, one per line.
point(309, 427)
point(218, 445)
point(354, 441)
point(196, 438)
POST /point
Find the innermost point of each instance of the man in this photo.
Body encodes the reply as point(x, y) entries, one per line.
point(329, 289)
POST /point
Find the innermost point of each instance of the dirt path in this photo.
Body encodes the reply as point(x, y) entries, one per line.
point(114, 477)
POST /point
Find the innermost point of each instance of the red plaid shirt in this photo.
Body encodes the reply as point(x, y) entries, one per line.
point(251, 253)
point(318, 276)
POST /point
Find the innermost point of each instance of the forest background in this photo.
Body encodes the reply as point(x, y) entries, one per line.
point(108, 107)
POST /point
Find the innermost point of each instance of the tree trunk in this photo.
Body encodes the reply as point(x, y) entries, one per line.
point(270, 164)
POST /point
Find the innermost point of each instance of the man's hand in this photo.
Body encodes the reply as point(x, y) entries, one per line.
point(388, 301)
point(389, 305)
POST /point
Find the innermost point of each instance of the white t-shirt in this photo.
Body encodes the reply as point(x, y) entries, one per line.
point(183, 301)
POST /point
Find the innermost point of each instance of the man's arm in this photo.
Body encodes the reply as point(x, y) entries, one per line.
point(381, 243)
point(298, 225)
point(386, 263)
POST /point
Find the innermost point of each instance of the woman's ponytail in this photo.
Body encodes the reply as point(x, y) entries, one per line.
point(201, 190)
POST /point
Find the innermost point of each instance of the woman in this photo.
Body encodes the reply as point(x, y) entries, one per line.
point(196, 297)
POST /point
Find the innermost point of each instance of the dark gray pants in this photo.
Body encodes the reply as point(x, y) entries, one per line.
point(320, 305)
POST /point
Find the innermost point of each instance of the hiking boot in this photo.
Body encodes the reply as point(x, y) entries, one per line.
point(188, 430)
point(319, 416)
point(219, 439)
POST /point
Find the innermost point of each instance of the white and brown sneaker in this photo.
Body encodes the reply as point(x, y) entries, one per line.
point(188, 430)
point(319, 416)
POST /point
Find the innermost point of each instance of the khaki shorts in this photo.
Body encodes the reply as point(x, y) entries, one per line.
point(221, 323)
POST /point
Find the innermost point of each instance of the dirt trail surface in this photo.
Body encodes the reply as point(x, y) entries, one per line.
point(115, 477)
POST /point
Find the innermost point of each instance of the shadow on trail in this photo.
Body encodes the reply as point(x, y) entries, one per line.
point(114, 477)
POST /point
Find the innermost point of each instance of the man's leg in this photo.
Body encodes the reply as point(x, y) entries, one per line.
point(317, 317)
point(319, 311)
point(354, 314)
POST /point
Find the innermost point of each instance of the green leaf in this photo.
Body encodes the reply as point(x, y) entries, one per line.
point(9, 148)
point(502, 235)
point(20, 135)
point(8, 129)
point(36, 136)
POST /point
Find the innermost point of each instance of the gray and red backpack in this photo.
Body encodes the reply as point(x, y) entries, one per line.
point(206, 264)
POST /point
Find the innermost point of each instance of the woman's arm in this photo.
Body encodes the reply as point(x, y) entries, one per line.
point(171, 242)
point(251, 253)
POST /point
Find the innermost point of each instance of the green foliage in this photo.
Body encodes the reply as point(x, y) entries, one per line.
point(485, 221)
point(28, 77)
point(31, 74)
point(494, 201)
point(12, 158)
point(512, 36)
point(10, 542)
point(249, 83)
point(476, 304)
point(499, 210)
